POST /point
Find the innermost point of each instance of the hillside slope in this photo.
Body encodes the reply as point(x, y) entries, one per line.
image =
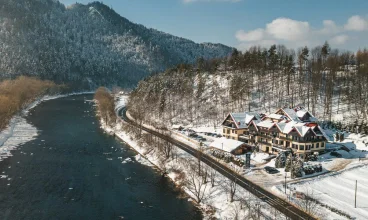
point(259, 80)
point(87, 45)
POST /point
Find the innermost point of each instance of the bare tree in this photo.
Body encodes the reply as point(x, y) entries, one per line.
point(195, 184)
point(308, 202)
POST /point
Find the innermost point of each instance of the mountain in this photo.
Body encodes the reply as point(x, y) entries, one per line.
point(87, 45)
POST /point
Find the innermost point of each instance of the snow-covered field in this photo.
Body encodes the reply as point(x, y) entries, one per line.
point(338, 191)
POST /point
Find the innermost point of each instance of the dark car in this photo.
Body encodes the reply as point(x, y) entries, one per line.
point(193, 135)
point(202, 139)
point(336, 154)
point(271, 170)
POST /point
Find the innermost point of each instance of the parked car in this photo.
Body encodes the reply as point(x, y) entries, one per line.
point(218, 135)
point(271, 170)
point(193, 135)
point(202, 139)
point(336, 154)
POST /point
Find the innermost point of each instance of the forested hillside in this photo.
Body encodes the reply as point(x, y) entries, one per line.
point(87, 45)
point(330, 83)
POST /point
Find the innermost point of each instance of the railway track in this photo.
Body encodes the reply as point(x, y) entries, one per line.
point(278, 203)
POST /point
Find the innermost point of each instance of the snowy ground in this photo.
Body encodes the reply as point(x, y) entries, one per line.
point(354, 159)
point(335, 178)
point(336, 190)
point(216, 198)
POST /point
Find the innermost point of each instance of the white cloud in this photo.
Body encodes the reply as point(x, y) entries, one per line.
point(356, 23)
point(339, 39)
point(329, 27)
point(294, 33)
point(288, 29)
point(190, 1)
point(254, 35)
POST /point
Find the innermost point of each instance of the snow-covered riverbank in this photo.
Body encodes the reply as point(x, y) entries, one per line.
point(20, 131)
point(215, 202)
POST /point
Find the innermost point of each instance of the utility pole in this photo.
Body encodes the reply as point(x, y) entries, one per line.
point(356, 187)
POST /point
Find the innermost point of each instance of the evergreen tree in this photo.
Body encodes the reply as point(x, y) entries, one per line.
point(288, 162)
point(297, 168)
point(280, 160)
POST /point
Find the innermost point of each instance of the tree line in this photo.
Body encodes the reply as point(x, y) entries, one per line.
point(105, 105)
point(326, 81)
point(16, 94)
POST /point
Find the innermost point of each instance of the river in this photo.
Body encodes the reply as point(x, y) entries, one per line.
point(73, 170)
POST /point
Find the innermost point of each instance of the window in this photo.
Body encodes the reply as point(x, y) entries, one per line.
point(232, 131)
point(281, 142)
point(301, 147)
point(228, 131)
point(317, 145)
point(224, 131)
point(322, 145)
point(312, 146)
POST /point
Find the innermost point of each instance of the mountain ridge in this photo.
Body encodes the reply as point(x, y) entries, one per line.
point(88, 45)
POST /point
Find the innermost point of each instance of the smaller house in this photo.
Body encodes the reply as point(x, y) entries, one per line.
point(237, 124)
point(231, 146)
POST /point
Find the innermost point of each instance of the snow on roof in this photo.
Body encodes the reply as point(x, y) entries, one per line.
point(239, 119)
point(291, 114)
point(266, 124)
point(313, 119)
point(274, 116)
point(282, 126)
point(288, 127)
point(323, 132)
point(302, 129)
point(243, 118)
point(248, 118)
point(226, 144)
point(301, 113)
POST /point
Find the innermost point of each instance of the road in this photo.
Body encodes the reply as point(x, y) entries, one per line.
point(278, 203)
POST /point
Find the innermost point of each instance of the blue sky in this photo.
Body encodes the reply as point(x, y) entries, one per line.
point(242, 23)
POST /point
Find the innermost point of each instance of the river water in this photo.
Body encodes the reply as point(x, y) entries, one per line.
point(72, 170)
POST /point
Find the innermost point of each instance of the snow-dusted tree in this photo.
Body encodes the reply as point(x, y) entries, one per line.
point(280, 160)
point(297, 168)
point(288, 162)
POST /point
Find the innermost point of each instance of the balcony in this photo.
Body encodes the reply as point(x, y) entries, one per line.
point(265, 136)
point(266, 143)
